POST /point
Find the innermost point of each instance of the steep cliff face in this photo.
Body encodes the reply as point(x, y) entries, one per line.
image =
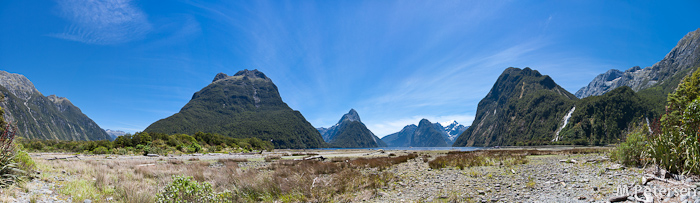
point(523, 107)
point(685, 55)
point(244, 105)
point(40, 117)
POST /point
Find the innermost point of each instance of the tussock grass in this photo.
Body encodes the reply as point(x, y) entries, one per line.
point(124, 180)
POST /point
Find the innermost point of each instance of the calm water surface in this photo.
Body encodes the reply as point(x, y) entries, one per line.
point(412, 148)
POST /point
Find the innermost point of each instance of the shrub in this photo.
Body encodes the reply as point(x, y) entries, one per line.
point(100, 150)
point(675, 146)
point(10, 171)
point(634, 150)
point(185, 189)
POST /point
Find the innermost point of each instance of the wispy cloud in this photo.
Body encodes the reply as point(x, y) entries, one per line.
point(102, 22)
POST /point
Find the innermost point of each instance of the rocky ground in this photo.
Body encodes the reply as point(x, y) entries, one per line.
point(545, 178)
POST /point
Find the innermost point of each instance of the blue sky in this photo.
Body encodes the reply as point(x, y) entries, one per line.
point(127, 63)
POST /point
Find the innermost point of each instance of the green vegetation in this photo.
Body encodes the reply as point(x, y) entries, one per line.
point(185, 189)
point(478, 158)
point(15, 164)
point(600, 120)
point(674, 143)
point(634, 150)
point(246, 105)
point(524, 107)
point(152, 143)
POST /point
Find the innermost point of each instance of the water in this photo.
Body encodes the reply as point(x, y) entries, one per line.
point(412, 148)
point(566, 120)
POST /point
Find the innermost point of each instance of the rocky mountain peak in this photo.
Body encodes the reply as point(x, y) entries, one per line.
point(252, 74)
point(219, 77)
point(57, 100)
point(633, 69)
point(685, 55)
point(352, 115)
point(17, 84)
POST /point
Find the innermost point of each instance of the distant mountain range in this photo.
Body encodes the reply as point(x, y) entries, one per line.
point(527, 108)
point(244, 105)
point(39, 117)
point(523, 107)
point(350, 132)
point(114, 133)
point(684, 56)
point(425, 134)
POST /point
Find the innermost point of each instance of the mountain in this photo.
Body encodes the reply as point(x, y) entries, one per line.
point(39, 117)
point(523, 107)
point(350, 132)
point(598, 120)
point(454, 129)
point(244, 105)
point(429, 135)
point(113, 134)
point(402, 138)
point(426, 134)
point(685, 55)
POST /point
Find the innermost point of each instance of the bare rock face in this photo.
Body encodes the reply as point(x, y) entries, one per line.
point(18, 85)
point(40, 117)
point(685, 55)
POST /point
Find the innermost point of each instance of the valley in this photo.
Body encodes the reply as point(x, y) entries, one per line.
point(131, 101)
point(572, 175)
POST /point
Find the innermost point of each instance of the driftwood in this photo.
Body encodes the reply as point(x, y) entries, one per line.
point(313, 157)
point(145, 165)
point(622, 197)
point(652, 177)
point(57, 158)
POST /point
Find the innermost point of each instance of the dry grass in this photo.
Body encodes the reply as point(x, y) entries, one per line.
point(507, 157)
point(282, 180)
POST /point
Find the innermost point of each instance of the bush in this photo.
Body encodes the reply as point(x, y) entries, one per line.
point(100, 150)
point(185, 189)
point(634, 150)
point(675, 143)
point(10, 170)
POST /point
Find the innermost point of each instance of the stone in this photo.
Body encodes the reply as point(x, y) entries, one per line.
point(670, 194)
point(87, 201)
point(663, 174)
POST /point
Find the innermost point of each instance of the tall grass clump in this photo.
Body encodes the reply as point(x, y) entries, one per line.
point(14, 163)
point(634, 151)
